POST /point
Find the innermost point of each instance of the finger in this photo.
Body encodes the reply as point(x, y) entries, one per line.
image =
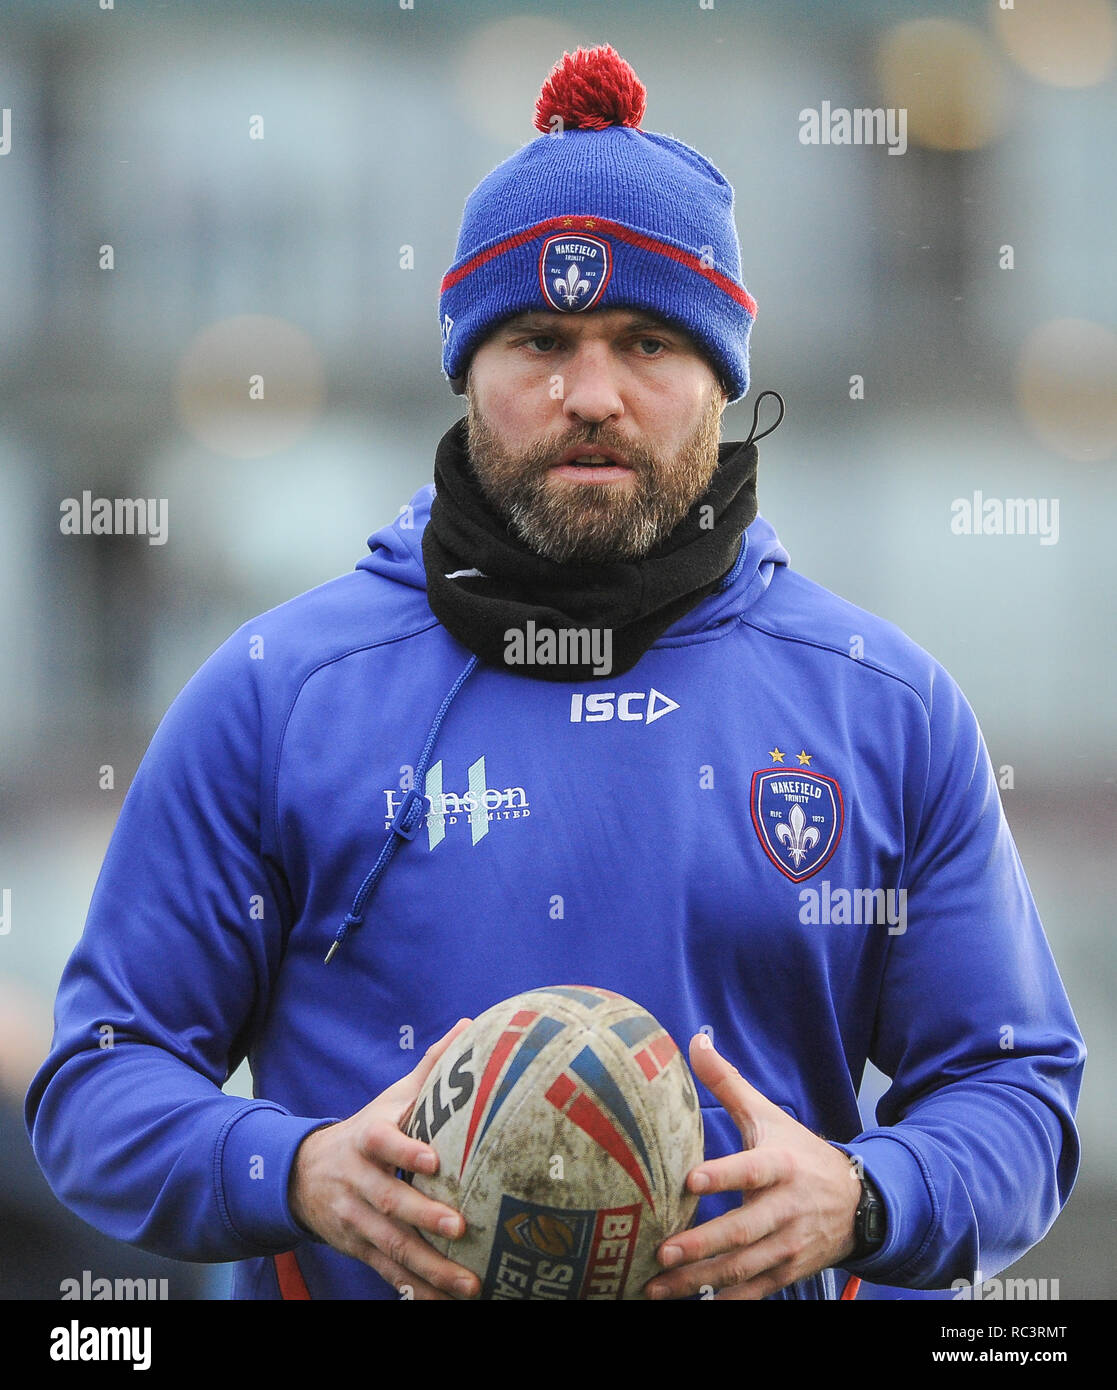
point(400, 1201)
point(405, 1283)
point(735, 1268)
point(744, 1103)
point(408, 1087)
point(408, 1250)
point(384, 1143)
point(762, 1285)
point(751, 1170)
point(733, 1230)
point(436, 1049)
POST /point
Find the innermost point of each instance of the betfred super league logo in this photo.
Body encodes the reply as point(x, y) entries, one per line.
point(798, 817)
point(574, 269)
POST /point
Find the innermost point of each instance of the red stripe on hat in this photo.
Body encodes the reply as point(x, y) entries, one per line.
point(614, 229)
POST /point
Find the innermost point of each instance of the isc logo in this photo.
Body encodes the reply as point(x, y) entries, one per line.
point(634, 706)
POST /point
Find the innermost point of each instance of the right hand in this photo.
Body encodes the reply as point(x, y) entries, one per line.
point(343, 1188)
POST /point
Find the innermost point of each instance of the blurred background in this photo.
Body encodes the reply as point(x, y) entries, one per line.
point(191, 194)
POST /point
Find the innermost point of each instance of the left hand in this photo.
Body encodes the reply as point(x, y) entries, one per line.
point(799, 1198)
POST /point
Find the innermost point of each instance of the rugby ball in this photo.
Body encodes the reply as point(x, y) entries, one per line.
point(565, 1121)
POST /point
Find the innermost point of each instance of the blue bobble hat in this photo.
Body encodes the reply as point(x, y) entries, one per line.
point(597, 213)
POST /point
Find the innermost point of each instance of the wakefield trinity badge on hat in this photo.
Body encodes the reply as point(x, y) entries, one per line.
point(573, 271)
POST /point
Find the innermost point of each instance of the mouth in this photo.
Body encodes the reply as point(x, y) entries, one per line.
point(589, 465)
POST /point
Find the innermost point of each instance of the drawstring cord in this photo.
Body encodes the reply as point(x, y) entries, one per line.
point(753, 436)
point(407, 821)
point(739, 563)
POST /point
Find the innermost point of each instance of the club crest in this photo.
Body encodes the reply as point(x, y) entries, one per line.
point(798, 817)
point(574, 269)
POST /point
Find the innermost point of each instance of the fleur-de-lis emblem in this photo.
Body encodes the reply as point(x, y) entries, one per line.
point(797, 835)
point(572, 287)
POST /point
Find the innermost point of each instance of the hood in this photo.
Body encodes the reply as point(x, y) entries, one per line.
point(396, 553)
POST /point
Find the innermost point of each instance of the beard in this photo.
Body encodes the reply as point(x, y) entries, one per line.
point(594, 523)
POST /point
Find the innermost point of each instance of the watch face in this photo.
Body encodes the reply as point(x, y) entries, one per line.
point(869, 1224)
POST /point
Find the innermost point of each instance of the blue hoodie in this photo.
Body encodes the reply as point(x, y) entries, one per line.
point(781, 826)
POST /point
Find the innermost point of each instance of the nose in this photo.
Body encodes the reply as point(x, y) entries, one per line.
point(590, 388)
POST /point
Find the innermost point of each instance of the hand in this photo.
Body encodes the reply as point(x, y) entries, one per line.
point(799, 1199)
point(343, 1188)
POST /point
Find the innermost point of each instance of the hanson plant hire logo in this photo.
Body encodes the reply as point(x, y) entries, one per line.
point(478, 806)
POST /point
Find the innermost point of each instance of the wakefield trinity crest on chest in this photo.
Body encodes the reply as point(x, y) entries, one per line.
point(574, 269)
point(798, 816)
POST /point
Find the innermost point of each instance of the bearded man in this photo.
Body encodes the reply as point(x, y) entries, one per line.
point(434, 784)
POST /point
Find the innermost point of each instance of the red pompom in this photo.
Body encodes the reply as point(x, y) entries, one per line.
point(590, 90)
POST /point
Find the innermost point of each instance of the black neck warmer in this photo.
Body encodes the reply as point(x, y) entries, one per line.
point(523, 613)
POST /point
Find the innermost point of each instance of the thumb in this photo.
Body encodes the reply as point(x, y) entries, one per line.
point(745, 1105)
point(404, 1092)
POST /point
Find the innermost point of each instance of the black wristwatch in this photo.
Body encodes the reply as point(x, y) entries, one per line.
point(868, 1222)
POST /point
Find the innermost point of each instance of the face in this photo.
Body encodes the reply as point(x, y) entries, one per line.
point(592, 434)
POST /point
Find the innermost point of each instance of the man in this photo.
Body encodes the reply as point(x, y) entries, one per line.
point(573, 720)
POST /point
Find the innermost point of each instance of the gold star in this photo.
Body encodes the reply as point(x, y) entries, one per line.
point(804, 759)
point(590, 224)
point(775, 755)
point(568, 221)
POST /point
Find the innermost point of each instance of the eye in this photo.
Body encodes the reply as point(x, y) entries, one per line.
point(540, 338)
point(654, 343)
